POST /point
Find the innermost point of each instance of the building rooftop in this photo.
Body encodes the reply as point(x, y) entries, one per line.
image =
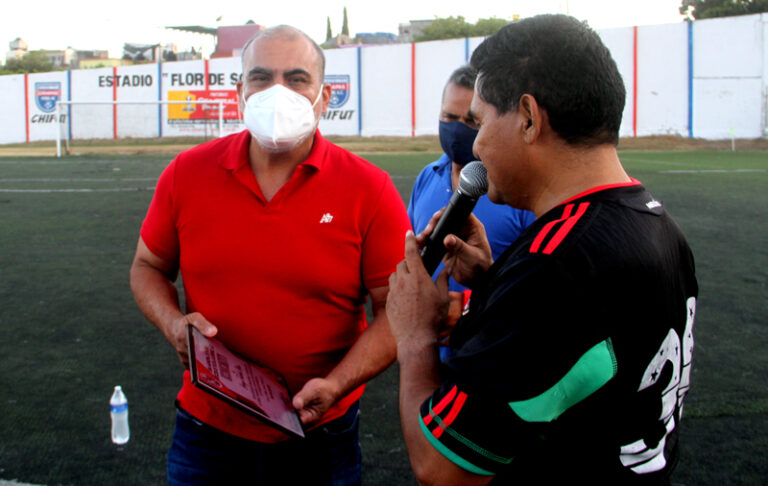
point(231, 39)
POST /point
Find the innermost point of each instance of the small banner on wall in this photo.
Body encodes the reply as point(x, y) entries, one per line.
point(340, 94)
point(200, 113)
point(46, 95)
point(339, 89)
point(43, 92)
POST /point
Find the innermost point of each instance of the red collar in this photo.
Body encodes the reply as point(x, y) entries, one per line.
point(632, 182)
point(237, 154)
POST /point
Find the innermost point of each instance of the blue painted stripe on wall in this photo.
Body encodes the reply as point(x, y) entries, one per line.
point(359, 91)
point(466, 49)
point(690, 79)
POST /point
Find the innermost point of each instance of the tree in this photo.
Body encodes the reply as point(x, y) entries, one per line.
point(32, 62)
point(486, 27)
point(458, 27)
point(345, 25)
point(708, 9)
point(445, 28)
point(328, 32)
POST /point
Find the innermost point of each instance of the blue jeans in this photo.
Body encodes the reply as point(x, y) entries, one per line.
point(202, 455)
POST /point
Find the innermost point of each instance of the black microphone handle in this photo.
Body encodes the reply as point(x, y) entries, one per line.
point(453, 218)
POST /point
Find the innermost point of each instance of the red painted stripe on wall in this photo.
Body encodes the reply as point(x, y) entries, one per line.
point(634, 81)
point(26, 103)
point(413, 89)
point(114, 106)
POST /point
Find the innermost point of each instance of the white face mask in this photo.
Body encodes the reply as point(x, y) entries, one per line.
point(279, 118)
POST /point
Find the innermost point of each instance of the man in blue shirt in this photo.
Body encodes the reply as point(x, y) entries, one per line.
point(437, 181)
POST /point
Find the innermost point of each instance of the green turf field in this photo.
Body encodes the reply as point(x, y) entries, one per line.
point(69, 330)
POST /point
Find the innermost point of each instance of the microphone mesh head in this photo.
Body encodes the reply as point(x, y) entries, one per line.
point(472, 180)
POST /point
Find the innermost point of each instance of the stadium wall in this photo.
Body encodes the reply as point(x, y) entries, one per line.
point(705, 79)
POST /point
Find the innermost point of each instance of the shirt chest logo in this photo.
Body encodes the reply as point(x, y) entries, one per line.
point(326, 218)
point(653, 204)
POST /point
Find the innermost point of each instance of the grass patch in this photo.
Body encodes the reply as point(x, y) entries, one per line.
point(70, 331)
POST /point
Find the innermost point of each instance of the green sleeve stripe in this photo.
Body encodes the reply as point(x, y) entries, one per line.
point(450, 455)
point(593, 370)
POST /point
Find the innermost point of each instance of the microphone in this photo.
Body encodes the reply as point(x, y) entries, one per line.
point(472, 185)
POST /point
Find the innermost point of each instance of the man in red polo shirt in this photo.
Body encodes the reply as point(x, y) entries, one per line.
point(279, 236)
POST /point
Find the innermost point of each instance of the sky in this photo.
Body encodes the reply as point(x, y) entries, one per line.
point(86, 25)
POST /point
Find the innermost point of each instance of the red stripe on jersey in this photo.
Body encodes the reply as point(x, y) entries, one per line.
point(548, 227)
point(451, 415)
point(565, 228)
point(441, 405)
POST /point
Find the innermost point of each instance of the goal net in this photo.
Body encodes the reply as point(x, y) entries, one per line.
point(89, 120)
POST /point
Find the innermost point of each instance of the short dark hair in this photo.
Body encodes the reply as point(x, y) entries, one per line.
point(565, 66)
point(289, 33)
point(464, 76)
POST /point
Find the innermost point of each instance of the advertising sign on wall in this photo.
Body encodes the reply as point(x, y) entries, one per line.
point(200, 113)
point(342, 117)
point(44, 91)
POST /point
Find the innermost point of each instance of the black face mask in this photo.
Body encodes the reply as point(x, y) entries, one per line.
point(457, 138)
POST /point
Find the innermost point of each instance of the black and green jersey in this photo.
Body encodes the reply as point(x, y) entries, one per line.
point(575, 356)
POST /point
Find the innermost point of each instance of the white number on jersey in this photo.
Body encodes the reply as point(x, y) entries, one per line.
point(637, 455)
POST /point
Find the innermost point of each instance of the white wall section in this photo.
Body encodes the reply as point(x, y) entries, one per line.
point(708, 79)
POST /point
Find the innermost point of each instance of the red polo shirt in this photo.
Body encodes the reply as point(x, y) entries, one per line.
point(284, 281)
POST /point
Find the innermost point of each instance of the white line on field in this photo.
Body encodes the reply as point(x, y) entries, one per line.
point(688, 171)
point(117, 189)
point(70, 179)
point(646, 161)
point(712, 171)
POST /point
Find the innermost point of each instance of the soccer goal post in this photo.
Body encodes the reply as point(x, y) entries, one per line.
point(99, 120)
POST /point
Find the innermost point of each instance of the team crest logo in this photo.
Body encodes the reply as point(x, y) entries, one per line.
point(339, 89)
point(46, 95)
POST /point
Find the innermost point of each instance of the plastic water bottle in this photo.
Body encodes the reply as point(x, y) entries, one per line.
point(118, 412)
